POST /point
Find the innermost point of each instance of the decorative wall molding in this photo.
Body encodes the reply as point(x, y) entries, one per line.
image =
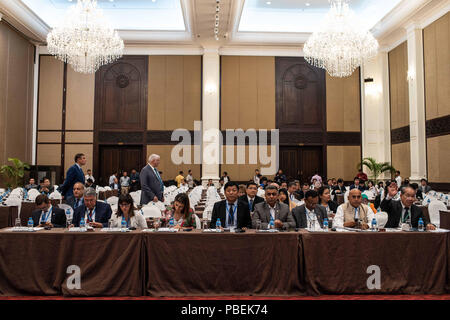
point(111, 137)
point(344, 138)
point(400, 135)
point(438, 127)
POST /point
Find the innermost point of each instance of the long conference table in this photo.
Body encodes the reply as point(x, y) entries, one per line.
point(193, 263)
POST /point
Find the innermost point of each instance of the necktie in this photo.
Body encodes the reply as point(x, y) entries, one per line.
point(231, 214)
point(159, 178)
point(406, 216)
point(90, 216)
point(250, 204)
point(77, 204)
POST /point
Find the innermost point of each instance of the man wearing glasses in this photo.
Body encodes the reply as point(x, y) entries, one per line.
point(403, 211)
point(95, 213)
point(353, 214)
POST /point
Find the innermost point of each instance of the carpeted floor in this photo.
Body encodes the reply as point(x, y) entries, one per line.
point(324, 297)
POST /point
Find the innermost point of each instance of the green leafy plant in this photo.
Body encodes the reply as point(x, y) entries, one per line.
point(376, 168)
point(14, 174)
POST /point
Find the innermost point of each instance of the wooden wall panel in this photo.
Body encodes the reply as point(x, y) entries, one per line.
point(398, 86)
point(51, 72)
point(343, 103)
point(80, 101)
point(49, 154)
point(247, 92)
point(438, 159)
point(72, 149)
point(436, 42)
point(169, 169)
point(174, 92)
point(342, 161)
point(87, 137)
point(401, 159)
point(49, 137)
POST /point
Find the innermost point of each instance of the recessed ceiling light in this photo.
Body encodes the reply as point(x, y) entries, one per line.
point(307, 4)
point(268, 2)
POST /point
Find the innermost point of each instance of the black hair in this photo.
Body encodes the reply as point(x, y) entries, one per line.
point(251, 184)
point(231, 184)
point(284, 191)
point(311, 193)
point(125, 198)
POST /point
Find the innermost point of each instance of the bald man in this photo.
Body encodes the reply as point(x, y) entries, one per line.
point(353, 213)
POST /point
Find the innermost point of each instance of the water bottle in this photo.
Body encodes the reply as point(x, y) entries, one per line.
point(82, 225)
point(30, 224)
point(271, 224)
point(428, 201)
point(374, 225)
point(171, 223)
point(325, 225)
point(123, 224)
point(420, 225)
point(446, 200)
point(218, 224)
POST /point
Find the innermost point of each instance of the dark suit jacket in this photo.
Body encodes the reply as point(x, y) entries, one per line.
point(301, 220)
point(332, 205)
point(394, 210)
point(58, 218)
point(102, 213)
point(338, 188)
point(242, 215)
point(150, 185)
point(360, 187)
point(73, 175)
point(257, 200)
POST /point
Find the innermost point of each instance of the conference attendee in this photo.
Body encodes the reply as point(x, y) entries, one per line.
point(283, 197)
point(316, 185)
point(225, 177)
point(74, 174)
point(31, 185)
point(392, 184)
point(280, 177)
point(112, 177)
point(257, 177)
point(372, 187)
point(89, 184)
point(95, 213)
point(272, 209)
point(210, 183)
point(357, 185)
point(190, 179)
point(221, 183)
point(334, 182)
point(181, 213)
point(250, 198)
point(115, 185)
point(46, 187)
point(263, 182)
point(309, 214)
point(183, 184)
point(325, 200)
point(47, 215)
point(242, 191)
point(152, 185)
point(178, 178)
point(134, 184)
point(124, 183)
point(305, 188)
point(424, 187)
point(329, 184)
point(132, 215)
point(317, 178)
point(284, 185)
point(89, 175)
point(403, 211)
point(292, 189)
point(340, 188)
point(398, 178)
point(274, 184)
point(362, 176)
point(231, 212)
point(354, 213)
point(78, 193)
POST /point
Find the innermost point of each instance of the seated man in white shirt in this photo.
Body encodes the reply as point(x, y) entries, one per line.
point(353, 213)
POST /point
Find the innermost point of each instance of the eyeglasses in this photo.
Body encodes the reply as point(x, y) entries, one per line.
point(124, 204)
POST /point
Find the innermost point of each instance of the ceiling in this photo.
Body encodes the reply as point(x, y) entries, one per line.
point(192, 22)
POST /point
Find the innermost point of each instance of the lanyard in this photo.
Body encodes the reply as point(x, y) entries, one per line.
point(309, 214)
point(229, 214)
point(45, 216)
point(89, 216)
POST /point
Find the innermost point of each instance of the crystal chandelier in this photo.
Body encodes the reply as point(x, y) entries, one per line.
point(341, 44)
point(84, 39)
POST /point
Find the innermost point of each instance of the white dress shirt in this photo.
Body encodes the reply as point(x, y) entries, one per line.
point(310, 217)
point(90, 177)
point(111, 179)
point(338, 220)
point(136, 221)
point(399, 181)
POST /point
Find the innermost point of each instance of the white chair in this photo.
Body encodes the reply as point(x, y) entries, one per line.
point(346, 196)
point(150, 211)
point(55, 195)
point(32, 194)
point(136, 197)
point(65, 207)
point(112, 200)
point(382, 218)
point(433, 210)
point(261, 193)
point(369, 194)
point(198, 223)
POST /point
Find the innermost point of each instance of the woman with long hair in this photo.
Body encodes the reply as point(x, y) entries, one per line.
point(127, 210)
point(283, 196)
point(181, 213)
point(325, 200)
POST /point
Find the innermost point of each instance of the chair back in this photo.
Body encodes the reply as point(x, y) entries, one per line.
point(433, 210)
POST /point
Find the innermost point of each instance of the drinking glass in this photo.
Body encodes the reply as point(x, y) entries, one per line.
point(68, 222)
point(18, 223)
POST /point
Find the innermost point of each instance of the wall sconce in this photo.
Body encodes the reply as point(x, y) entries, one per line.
point(371, 88)
point(411, 75)
point(210, 88)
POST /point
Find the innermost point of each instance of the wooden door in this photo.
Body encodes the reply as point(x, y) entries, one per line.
point(301, 162)
point(119, 158)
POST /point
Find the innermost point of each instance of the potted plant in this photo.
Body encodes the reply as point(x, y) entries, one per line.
point(376, 168)
point(14, 174)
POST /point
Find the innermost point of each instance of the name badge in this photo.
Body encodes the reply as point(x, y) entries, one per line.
point(405, 227)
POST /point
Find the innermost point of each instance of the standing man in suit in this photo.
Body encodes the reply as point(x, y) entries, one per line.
point(151, 183)
point(95, 213)
point(251, 199)
point(74, 174)
point(47, 215)
point(274, 209)
point(404, 210)
point(232, 212)
point(305, 213)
